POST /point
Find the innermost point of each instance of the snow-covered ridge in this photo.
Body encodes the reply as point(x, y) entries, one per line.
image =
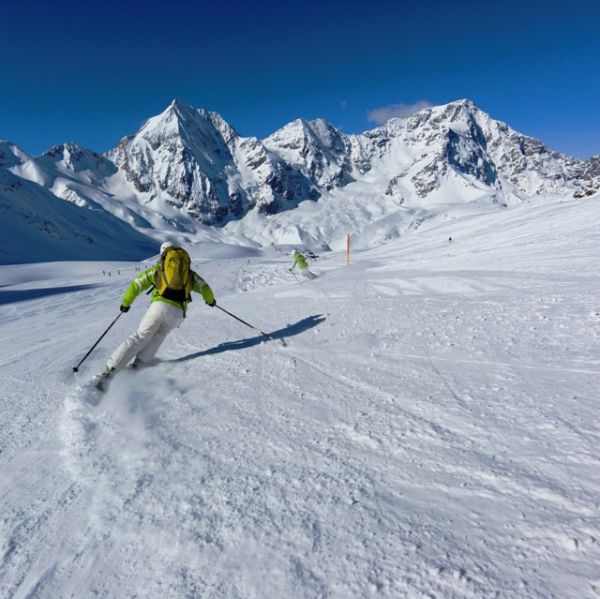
point(187, 170)
point(11, 155)
point(37, 225)
point(193, 159)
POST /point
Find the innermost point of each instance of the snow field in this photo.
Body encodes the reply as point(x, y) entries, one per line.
point(430, 431)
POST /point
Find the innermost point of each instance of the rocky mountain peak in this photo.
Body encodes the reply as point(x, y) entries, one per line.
point(76, 158)
point(191, 124)
point(301, 133)
point(193, 159)
point(317, 148)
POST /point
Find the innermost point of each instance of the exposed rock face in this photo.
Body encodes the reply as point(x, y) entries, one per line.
point(393, 190)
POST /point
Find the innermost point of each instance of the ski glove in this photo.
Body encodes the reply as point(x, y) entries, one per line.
point(207, 295)
point(124, 308)
point(212, 304)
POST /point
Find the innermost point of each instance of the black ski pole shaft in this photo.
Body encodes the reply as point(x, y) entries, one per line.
point(248, 324)
point(76, 368)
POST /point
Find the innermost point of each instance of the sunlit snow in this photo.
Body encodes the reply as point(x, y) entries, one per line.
point(431, 429)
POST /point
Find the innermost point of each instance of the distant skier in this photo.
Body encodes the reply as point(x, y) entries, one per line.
point(449, 239)
point(172, 281)
point(300, 262)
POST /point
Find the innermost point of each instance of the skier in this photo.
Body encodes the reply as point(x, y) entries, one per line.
point(300, 262)
point(172, 281)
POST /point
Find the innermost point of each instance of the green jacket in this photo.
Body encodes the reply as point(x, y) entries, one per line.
point(299, 261)
point(145, 280)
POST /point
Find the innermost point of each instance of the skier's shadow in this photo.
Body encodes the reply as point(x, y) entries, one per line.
point(288, 331)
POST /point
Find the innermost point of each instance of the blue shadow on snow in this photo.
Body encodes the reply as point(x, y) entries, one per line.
point(9, 297)
point(292, 329)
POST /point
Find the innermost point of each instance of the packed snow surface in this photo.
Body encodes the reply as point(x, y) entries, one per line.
point(431, 430)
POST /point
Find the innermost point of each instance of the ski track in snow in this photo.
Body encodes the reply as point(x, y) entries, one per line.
point(432, 431)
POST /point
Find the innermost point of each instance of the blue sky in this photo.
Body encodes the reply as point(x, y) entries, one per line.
point(92, 72)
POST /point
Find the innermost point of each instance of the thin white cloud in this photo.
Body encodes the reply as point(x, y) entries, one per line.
point(384, 114)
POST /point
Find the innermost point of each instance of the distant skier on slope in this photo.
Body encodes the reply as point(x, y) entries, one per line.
point(172, 281)
point(300, 262)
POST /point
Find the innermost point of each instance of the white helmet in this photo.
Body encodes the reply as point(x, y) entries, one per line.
point(165, 246)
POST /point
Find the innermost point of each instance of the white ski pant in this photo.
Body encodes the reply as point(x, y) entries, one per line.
point(160, 319)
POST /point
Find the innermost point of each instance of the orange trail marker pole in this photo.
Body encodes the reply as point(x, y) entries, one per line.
point(347, 248)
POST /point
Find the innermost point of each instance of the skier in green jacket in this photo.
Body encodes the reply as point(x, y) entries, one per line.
point(166, 312)
point(300, 262)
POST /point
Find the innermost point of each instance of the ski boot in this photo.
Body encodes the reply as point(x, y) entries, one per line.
point(101, 380)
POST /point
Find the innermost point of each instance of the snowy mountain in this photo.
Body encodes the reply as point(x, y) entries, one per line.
point(38, 226)
point(194, 160)
point(420, 153)
point(471, 143)
point(442, 162)
point(68, 171)
point(188, 175)
point(317, 149)
point(92, 181)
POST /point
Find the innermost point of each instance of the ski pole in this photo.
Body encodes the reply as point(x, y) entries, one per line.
point(295, 277)
point(76, 368)
point(249, 325)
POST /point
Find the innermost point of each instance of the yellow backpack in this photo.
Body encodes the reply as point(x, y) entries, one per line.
point(174, 278)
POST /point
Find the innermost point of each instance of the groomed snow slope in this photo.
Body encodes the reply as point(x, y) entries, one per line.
point(431, 430)
point(36, 223)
